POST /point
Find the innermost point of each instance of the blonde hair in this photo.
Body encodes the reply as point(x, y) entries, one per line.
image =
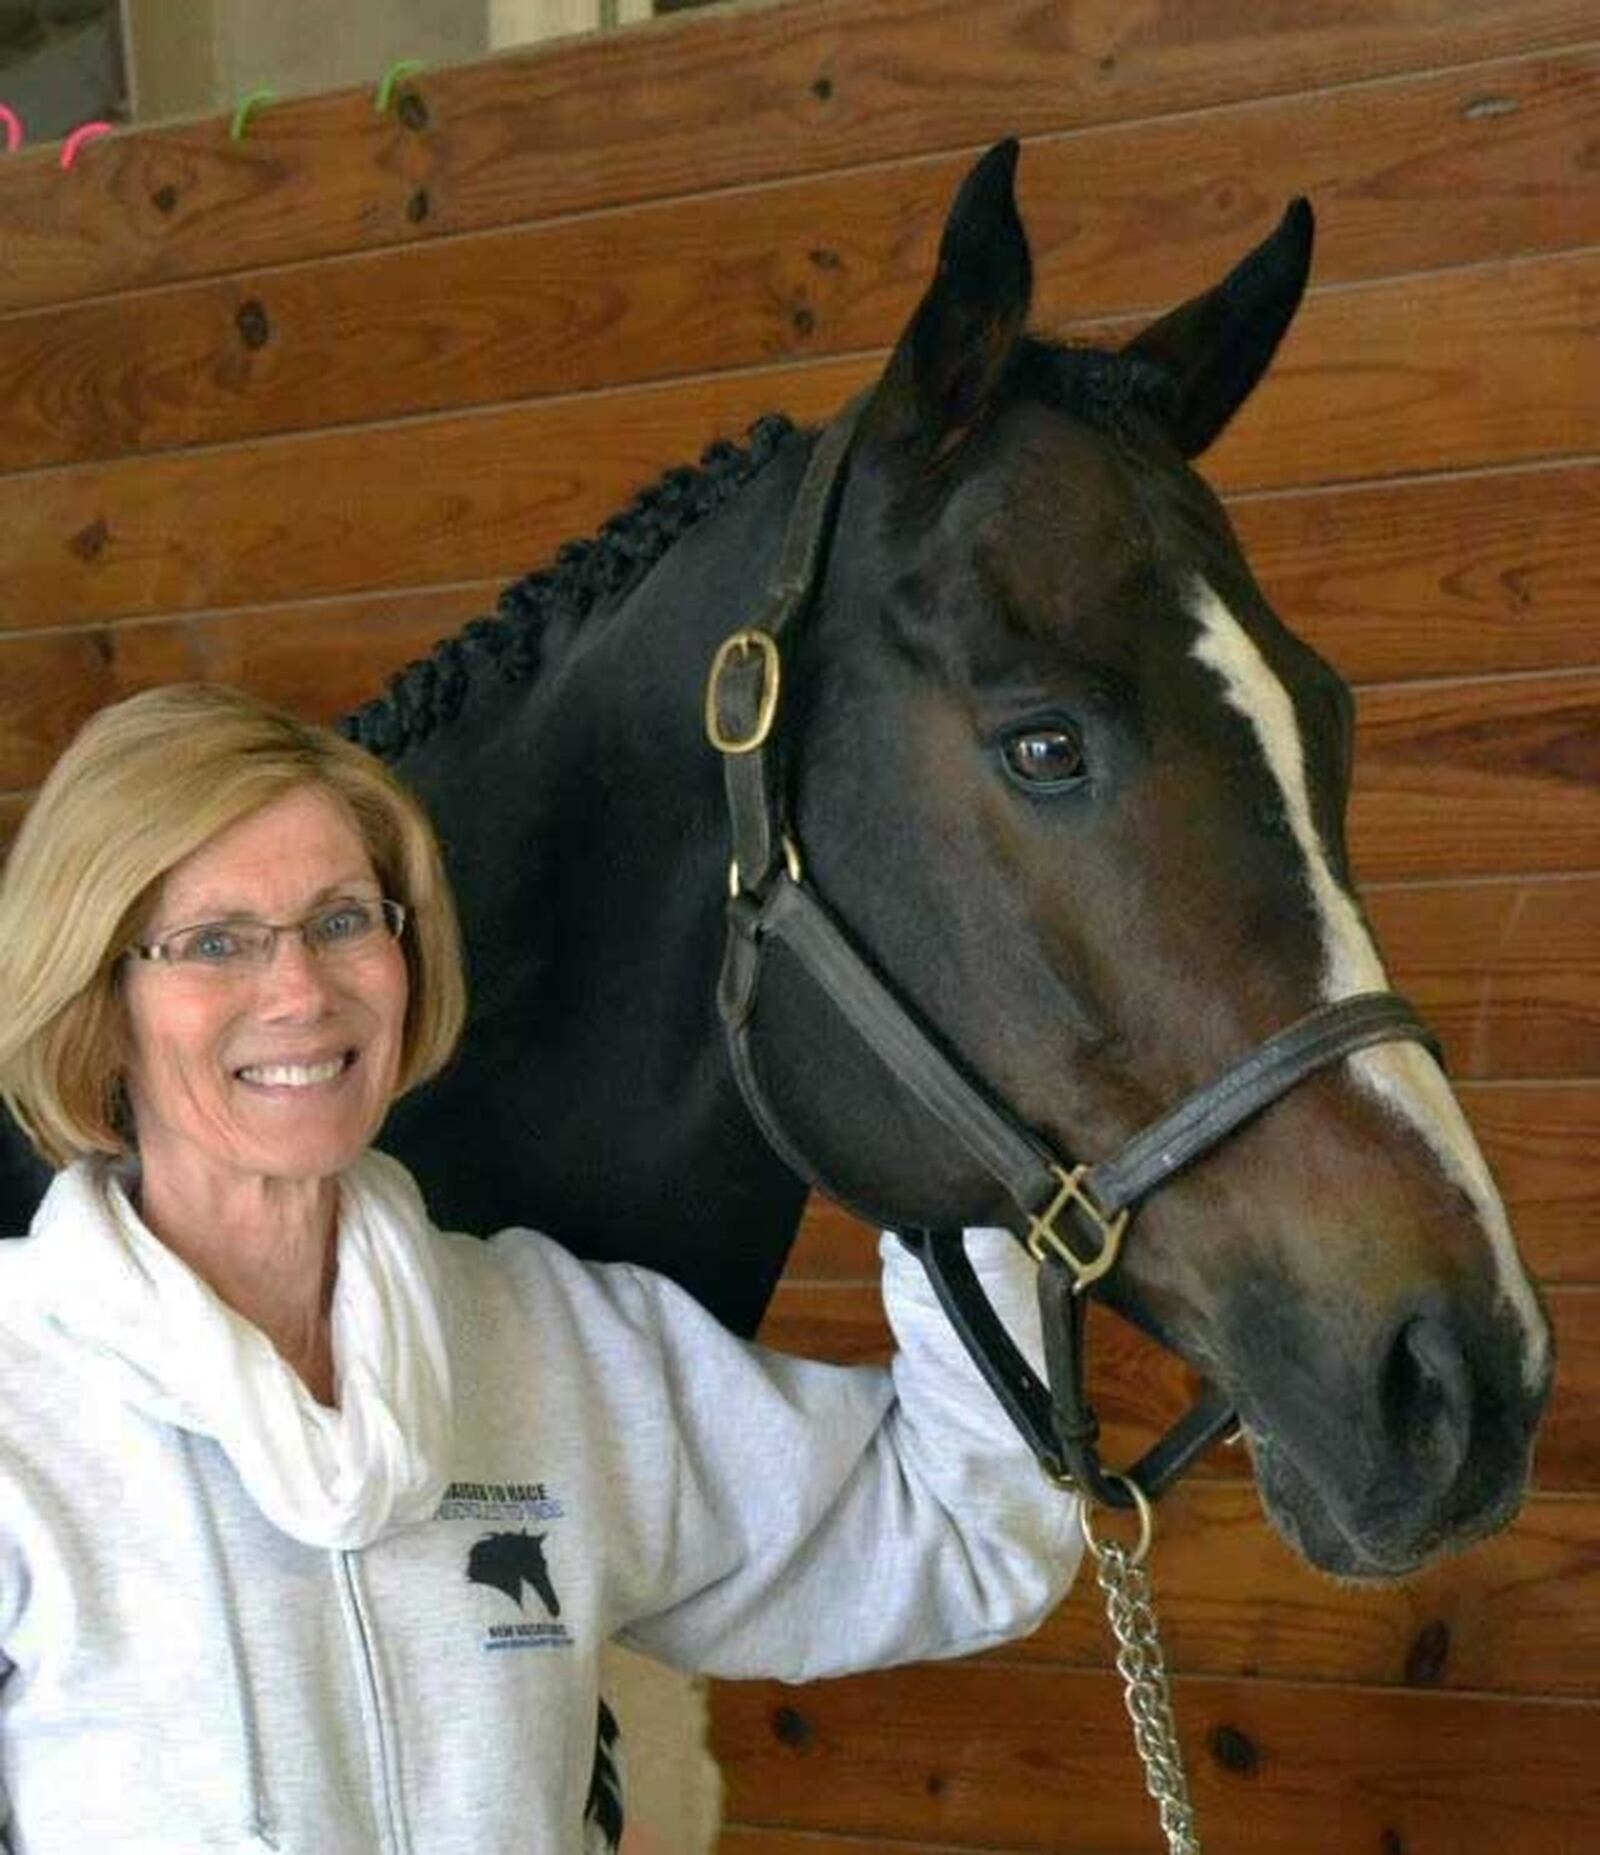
point(144, 784)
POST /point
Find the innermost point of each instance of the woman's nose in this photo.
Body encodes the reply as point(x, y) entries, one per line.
point(294, 980)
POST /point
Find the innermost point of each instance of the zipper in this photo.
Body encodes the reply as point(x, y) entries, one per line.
point(379, 1729)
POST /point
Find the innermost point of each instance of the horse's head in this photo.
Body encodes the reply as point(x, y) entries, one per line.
point(1078, 791)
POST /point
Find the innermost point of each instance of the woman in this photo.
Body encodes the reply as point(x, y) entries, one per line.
point(313, 1518)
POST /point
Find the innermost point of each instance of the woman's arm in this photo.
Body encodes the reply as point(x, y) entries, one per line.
point(825, 1519)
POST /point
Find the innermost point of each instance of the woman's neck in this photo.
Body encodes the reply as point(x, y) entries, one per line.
point(264, 1246)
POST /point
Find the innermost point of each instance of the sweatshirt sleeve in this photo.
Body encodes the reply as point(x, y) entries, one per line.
point(827, 1518)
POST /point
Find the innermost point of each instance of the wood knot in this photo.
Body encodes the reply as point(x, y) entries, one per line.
point(255, 331)
point(165, 199)
point(1235, 1751)
point(89, 543)
point(1428, 1655)
point(411, 110)
point(790, 1727)
point(822, 89)
point(802, 320)
point(418, 206)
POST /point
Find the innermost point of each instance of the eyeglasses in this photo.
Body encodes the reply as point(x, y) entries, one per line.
point(336, 932)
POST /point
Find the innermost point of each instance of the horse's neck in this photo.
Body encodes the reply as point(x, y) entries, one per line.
point(584, 820)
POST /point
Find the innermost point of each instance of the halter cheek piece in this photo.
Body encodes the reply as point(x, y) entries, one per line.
point(1075, 1216)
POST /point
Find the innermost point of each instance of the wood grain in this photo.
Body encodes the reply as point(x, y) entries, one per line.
point(320, 660)
point(1542, 1141)
point(1455, 575)
point(1471, 575)
point(1519, 1614)
point(690, 104)
point(1140, 1389)
point(1418, 374)
point(1507, 972)
point(1408, 176)
point(1391, 378)
point(1478, 778)
point(1042, 1759)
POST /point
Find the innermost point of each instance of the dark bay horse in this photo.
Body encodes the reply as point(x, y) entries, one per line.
point(1079, 796)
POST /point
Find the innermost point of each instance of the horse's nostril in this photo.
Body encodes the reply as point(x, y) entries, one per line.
point(1426, 1397)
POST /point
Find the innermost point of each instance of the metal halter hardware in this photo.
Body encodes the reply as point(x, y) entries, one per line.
point(770, 900)
point(1044, 1240)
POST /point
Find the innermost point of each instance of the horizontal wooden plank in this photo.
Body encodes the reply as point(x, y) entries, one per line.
point(1519, 1613)
point(321, 660)
point(1042, 1759)
point(1463, 779)
point(1508, 973)
point(1139, 1389)
point(702, 101)
point(1376, 578)
point(1478, 778)
point(1435, 576)
point(1542, 1141)
point(1408, 176)
point(1441, 372)
point(1394, 378)
point(474, 496)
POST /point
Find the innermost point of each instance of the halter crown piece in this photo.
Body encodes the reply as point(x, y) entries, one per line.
point(1075, 1215)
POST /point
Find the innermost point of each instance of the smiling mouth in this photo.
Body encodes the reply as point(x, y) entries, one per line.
point(296, 1075)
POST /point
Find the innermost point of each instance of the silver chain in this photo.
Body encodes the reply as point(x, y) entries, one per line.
point(1131, 1611)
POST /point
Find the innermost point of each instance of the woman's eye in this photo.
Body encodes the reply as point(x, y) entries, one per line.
point(1046, 756)
point(349, 921)
point(210, 946)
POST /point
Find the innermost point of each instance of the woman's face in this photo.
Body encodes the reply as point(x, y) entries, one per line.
point(283, 1071)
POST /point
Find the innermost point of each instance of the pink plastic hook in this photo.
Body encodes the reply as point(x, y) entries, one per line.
point(13, 124)
point(85, 132)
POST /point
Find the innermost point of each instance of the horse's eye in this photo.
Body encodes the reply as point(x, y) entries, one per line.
point(1046, 756)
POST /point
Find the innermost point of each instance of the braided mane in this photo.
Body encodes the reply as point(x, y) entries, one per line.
point(426, 694)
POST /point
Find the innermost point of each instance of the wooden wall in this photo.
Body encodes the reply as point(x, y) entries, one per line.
point(284, 411)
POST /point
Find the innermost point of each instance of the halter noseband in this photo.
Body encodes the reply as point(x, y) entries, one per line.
point(1076, 1215)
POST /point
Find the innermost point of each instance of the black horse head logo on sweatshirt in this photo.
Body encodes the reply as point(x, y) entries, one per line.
point(508, 1562)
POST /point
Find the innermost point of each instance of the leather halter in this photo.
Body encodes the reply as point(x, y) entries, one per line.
point(1075, 1215)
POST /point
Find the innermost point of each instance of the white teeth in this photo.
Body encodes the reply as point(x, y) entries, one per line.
point(293, 1075)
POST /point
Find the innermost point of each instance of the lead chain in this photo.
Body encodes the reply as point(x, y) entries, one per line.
point(1130, 1609)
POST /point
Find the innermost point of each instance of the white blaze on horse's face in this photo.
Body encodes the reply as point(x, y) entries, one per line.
point(1403, 1077)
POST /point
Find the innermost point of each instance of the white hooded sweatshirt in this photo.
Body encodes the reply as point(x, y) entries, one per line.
point(233, 1619)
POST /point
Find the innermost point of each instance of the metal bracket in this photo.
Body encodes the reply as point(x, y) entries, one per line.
point(1043, 1234)
point(742, 643)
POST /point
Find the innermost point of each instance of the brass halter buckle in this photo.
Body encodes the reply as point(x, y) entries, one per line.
point(741, 643)
point(1043, 1234)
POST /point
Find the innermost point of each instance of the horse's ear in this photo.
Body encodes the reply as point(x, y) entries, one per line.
point(1214, 348)
point(954, 349)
